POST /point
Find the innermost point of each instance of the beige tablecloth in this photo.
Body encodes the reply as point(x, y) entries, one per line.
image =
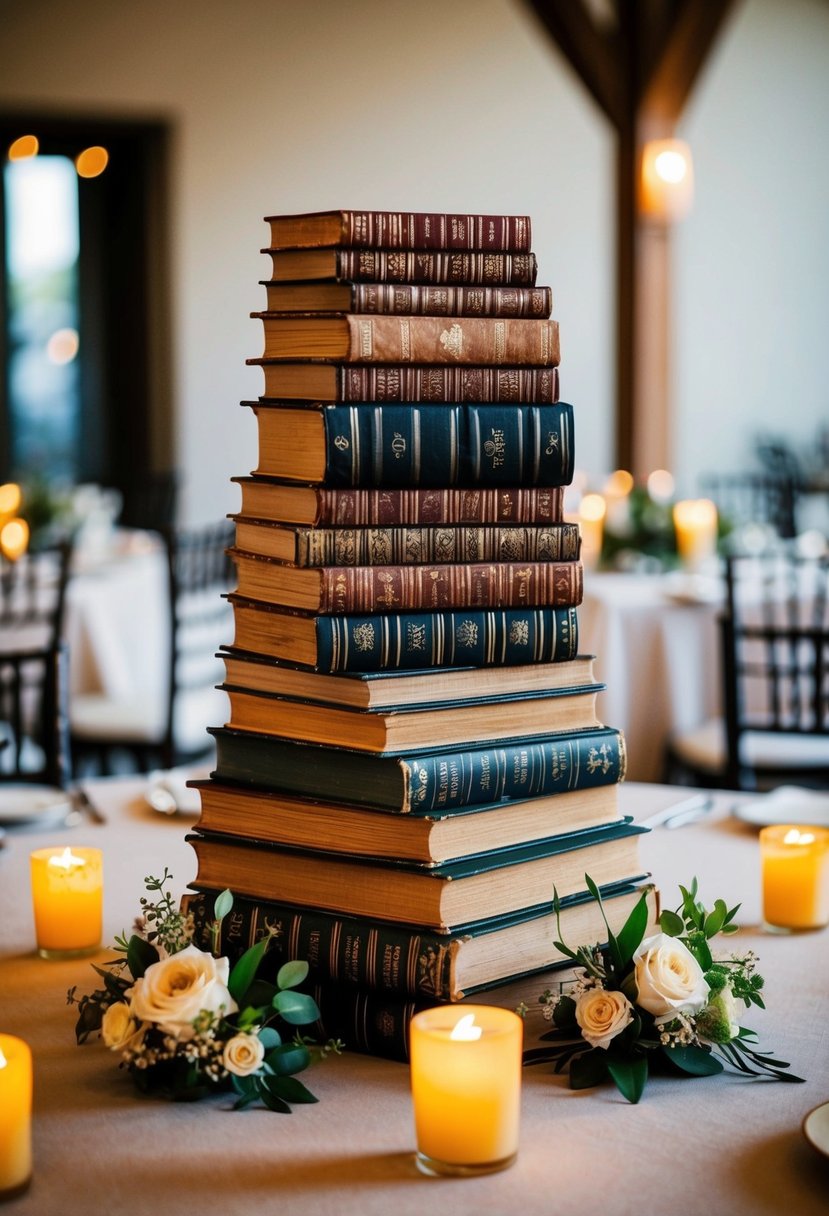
point(719, 1146)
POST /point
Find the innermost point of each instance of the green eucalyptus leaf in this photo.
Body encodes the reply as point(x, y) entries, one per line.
point(564, 1013)
point(633, 931)
point(715, 919)
point(275, 1103)
point(588, 1069)
point(260, 993)
point(696, 1061)
point(244, 972)
point(140, 955)
point(292, 973)
point(270, 1037)
point(296, 1007)
point(671, 924)
point(289, 1058)
point(290, 1089)
point(629, 1076)
point(223, 904)
point(245, 1086)
point(612, 943)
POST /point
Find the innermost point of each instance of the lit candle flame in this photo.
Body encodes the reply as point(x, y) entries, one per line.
point(3, 1060)
point(67, 860)
point(796, 837)
point(465, 1029)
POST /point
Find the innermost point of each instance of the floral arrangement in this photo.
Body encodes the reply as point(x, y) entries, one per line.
point(640, 1002)
point(186, 1024)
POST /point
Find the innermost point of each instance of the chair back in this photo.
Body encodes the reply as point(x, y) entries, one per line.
point(200, 575)
point(775, 646)
point(763, 497)
point(33, 596)
point(34, 716)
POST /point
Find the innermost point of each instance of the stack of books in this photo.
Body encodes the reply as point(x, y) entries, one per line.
point(413, 759)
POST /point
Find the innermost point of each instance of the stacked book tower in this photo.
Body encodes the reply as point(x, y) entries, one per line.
point(413, 761)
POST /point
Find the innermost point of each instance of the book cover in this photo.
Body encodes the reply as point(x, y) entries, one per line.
point(453, 894)
point(284, 502)
point(425, 383)
point(433, 779)
point(409, 445)
point(367, 338)
point(405, 266)
point(349, 589)
point(408, 299)
point(406, 640)
point(401, 230)
point(407, 544)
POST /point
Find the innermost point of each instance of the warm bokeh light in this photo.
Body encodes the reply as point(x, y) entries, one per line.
point(24, 148)
point(619, 483)
point(592, 507)
point(661, 485)
point(91, 162)
point(670, 166)
point(10, 499)
point(667, 180)
point(63, 346)
point(14, 539)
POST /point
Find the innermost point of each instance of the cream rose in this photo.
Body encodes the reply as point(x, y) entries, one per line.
point(175, 990)
point(119, 1029)
point(669, 980)
point(602, 1015)
point(243, 1054)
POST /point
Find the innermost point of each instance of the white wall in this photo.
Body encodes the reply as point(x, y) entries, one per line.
point(752, 260)
point(300, 105)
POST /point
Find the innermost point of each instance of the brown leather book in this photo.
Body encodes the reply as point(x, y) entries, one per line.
point(396, 383)
point(267, 498)
point(408, 299)
point(360, 338)
point(401, 230)
point(404, 266)
point(339, 589)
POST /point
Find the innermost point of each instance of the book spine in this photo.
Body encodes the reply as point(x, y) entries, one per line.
point(438, 545)
point(463, 444)
point(474, 584)
point(397, 641)
point(368, 1022)
point(524, 770)
point(357, 953)
point(412, 300)
point(401, 339)
point(365, 508)
point(421, 267)
point(433, 230)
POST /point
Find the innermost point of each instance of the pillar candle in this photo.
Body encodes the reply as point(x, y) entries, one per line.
point(695, 524)
point(795, 865)
point(67, 895)
point(592, 510)
point(15, 1116)
point(466, 1088)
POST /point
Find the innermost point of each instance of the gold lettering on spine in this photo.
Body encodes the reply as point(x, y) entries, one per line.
point(500, 351)
point(365, 334)
point(405, 340)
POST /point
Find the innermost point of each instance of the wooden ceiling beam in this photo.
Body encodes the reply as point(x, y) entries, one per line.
point(591, 52)
point(693, 31)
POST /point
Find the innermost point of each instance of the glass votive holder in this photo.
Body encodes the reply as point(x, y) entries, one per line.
point(15, 1117)
point(67, 898)
point(466, 1088)
point(795, 870)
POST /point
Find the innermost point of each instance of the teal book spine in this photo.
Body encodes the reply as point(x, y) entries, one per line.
point(460, 445)
point(440, 779)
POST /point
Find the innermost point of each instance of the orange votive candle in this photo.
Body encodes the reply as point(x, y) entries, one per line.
point(466, 1088)
point(67, 896)
point(795, 864)
point(15, 1116)
point(695, 524)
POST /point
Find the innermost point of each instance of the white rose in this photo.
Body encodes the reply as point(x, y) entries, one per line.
point(602, 1015)
point(119, 1029)
point(175, 990)
point(243, 1054)
point(669, 980)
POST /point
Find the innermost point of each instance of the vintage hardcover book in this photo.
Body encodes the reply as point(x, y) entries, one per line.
point(391, 446)
point(427, 839)
point(409, 299)
point(409, 544)
point(283, 502)
point(442, 897)
point(350, 589)
point(396, 382)
point(435, 779)
point(361, 338)
point(405, 266)
point(387, 689)
point(411, 640)
point(376, 957)
point(401, 230)
point(407, 728)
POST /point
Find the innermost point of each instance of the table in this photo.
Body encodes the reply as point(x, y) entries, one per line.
point(657, 651)
point(717, 1146)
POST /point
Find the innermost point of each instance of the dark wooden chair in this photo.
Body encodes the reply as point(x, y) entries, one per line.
point(775, 672)
point(33, 597)
point(762, 497)
point(34, 718)
point(199, 573)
